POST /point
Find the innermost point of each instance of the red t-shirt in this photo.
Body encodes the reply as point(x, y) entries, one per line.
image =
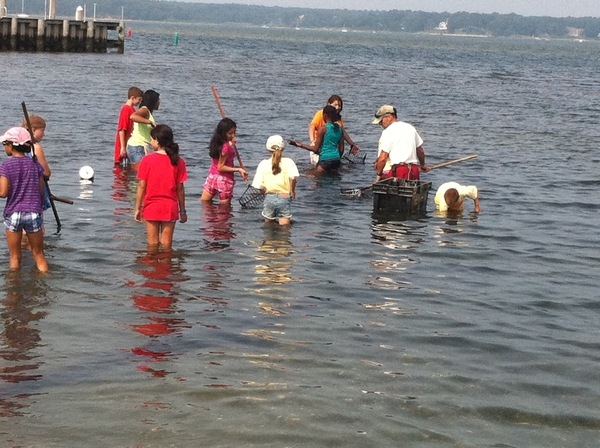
point(125, 124)
point(162, 178)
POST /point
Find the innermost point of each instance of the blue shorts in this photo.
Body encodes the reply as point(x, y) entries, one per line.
point(330, 165)
point(135, 153)
point(277, 206)
point(30, 222)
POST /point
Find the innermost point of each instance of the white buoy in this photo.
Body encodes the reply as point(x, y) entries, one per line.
point(86, 173)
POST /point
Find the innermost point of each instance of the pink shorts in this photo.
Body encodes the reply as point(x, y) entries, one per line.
point(217, 183)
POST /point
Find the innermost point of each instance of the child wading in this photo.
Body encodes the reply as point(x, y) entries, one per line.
point(222, 150)
point(329, 142)
point(160, 195)
point(276, 177)
point(125, 124)
point(139, 144)
point(38, 129)
point(22, 183)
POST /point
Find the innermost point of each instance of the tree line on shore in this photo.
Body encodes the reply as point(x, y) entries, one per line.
point(408, 21)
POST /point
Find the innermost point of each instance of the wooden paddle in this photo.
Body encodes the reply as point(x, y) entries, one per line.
point(216, 95)
point(358, 191)
point(52, 197)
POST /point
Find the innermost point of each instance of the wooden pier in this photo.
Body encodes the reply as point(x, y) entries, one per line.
point(54, 35)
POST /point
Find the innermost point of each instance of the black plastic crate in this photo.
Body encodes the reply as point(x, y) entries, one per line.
point(400, 197)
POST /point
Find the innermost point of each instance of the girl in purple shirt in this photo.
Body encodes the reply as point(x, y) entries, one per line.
point(22, 183)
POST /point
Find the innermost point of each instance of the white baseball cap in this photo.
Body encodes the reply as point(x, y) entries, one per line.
point(275, 142)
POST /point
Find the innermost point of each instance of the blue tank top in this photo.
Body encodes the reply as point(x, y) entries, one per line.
point(329, 148)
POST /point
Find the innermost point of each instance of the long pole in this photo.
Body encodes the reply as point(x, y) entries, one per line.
point(357, 191)
point(452, 162)
point(30, 129)
point(216, 95)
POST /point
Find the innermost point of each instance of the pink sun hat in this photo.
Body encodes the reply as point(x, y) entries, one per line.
point(18, 136)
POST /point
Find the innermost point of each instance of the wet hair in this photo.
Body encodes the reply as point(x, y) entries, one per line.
point(451, 197)
point(219, 137)
point(36, 121)
point(332, 113)
point(150, 100)
point(134, 92)
point(333, 98)
point(163, 134)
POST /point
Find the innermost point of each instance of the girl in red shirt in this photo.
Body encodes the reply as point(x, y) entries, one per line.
point(160, 196)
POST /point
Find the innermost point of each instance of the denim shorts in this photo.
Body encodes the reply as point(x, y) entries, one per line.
point(29, 221)
point(277, 206)
point(135, 153)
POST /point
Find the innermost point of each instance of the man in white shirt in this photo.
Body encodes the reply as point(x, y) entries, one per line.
point(400, 152)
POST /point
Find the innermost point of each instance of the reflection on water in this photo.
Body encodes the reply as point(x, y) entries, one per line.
point(20, 337)
point(216, 226)
point(274, 259)
point(157, 299)
point(390, 267)
point(123, 190)
point(453, 223)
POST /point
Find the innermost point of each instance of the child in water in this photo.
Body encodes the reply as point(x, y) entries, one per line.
point(125, 124)
point(160, 195)
point(276, 178)
point(138, 144)
point(38, 129)
point(329, 142)
point(318, 121)
point(451, 197)
point(222, 149)
point(22, 183)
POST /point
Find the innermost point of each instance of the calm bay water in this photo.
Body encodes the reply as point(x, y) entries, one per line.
point(475, 331)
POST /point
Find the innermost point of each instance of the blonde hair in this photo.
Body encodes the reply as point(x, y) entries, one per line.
point(276, 160)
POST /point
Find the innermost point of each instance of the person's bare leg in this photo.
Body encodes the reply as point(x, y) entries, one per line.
point(206, 196)
point(166, 236)
point(13, 240)
point(153, 231)
point(36, 240)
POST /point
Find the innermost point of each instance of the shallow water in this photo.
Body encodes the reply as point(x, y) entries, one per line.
point(466, 331)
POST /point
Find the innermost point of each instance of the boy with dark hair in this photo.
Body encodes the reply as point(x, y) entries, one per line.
point(125, 125)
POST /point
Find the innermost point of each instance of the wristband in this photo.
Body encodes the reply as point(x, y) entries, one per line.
point(182, 212)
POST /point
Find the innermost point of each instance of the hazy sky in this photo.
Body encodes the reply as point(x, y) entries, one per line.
point(553, 8)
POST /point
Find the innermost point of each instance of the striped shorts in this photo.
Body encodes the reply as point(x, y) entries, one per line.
point(30, 222)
